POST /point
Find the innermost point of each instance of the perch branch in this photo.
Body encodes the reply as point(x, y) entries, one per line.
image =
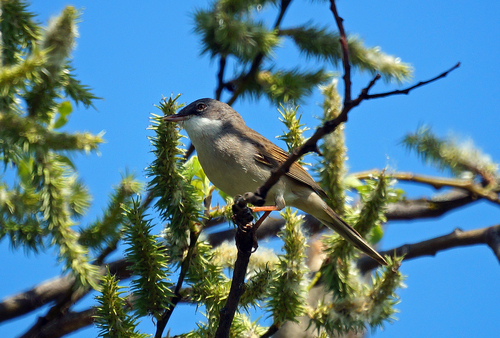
point(245, 242)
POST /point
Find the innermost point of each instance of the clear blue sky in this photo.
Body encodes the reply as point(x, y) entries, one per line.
point(132, 53)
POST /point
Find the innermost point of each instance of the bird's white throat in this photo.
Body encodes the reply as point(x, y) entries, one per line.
point(202, 128)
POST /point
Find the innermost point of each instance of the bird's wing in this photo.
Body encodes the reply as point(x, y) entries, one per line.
point(273, 156)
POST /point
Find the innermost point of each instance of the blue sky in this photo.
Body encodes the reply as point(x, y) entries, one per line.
point(133, 54)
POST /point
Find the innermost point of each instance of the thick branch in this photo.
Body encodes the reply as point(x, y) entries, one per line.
point(62, 326)
point(271, 331)
point(40, 295)
point(428, 208)
point(245, 242)
point(49, 291)
point(458, 238)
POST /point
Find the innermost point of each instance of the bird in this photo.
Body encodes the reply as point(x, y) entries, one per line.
point(237, 159)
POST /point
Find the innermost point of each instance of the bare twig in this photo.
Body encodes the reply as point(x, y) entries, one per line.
point(259, 197)
point(220, 77)
point(189, 152)
point(345, 53)
point(458, 238)
point(407, 90)
point(160, 327)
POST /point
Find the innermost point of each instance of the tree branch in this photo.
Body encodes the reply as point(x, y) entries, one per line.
point(438, 182)
point(345, 53)
point(220, 77)
point(407, 90)
point(271, 331)
point(458, 238)
point(245, 242)
point(50, 291)
point(269, 228)
point(160, 327)
point(428, 208)
point(64, 325)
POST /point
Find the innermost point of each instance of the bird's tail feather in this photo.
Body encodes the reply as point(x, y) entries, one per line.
point(350, 234)
point(311, 203)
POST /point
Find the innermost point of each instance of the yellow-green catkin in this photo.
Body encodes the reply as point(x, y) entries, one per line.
point(332, 168)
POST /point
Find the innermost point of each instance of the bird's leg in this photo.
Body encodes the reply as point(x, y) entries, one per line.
point(267, 210)
point(261, 219)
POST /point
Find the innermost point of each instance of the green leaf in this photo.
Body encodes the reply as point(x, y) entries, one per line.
point(376, 234)
point(353, 182)
point(64, 109)
point(195, 174)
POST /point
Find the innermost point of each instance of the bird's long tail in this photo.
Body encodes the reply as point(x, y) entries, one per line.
point(350, 234)
point(317, 207)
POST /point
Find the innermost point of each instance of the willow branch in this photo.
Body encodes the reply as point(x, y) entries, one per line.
point(458, 238)
point(64, 325)
point(439, 182)
point(162, 323)
point(220, 77)
point(428, 208)
point(345, 53)
point(50, 291)
point(245, 242)
point(407, 90)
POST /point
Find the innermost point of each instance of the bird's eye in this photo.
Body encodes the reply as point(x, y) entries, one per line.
point(201, 107)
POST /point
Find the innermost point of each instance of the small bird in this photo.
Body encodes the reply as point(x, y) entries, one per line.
point(237, 159)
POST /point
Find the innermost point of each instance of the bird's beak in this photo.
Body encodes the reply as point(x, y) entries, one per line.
point(176, 117)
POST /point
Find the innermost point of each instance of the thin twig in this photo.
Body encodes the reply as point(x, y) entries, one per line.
point(220, 77)
point(193, 239)
point(345, 53)
point(458, 238)
point(160, 327)
point(259, 197)
point(407, 90)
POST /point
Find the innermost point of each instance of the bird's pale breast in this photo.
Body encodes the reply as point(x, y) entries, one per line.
point(227, 160)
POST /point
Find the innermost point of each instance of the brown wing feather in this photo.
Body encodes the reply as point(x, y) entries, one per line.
point(273, 156)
